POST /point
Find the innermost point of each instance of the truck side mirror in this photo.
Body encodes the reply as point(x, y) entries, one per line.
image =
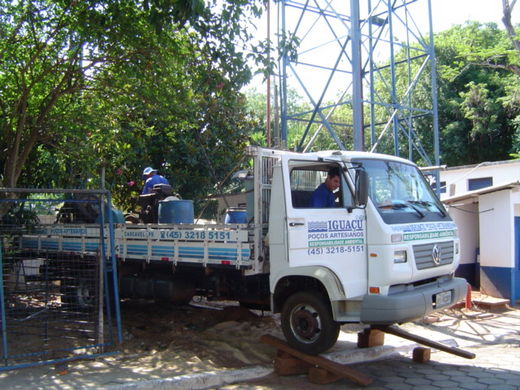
point(361, 188)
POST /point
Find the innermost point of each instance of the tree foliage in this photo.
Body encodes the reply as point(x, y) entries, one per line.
point(479, 104)
point(121, 85)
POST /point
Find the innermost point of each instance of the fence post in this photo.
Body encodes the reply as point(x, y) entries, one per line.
point(3, 320)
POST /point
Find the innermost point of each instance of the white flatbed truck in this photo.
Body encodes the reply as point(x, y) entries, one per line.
point(386, 254)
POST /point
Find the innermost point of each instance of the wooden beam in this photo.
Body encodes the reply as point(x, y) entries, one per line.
point(370, 338)
point(285, 366)
point(421, 340)
point(321, 376)
point(341, 370)
point(421, 355)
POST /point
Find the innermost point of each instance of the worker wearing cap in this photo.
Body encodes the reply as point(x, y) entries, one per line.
point(151, 177)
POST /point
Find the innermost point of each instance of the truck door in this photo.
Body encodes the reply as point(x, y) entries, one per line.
point(331, 237)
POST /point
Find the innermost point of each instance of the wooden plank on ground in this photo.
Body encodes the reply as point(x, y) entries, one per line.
point(341, 370)
point(422, 340)
point(285, 366)
point(321, 376)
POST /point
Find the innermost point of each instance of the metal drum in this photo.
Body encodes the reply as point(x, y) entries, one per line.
point(235, 215)
point(176, 211)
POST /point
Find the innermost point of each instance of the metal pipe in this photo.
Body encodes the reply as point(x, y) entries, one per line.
point(357, 79)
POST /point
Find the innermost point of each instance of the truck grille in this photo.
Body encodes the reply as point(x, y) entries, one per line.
point(424, 254)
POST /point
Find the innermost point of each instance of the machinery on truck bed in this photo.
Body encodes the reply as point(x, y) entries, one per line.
point(386, 254)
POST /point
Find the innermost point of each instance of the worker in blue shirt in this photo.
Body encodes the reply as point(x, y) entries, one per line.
point(323, 196)
point(151, 177)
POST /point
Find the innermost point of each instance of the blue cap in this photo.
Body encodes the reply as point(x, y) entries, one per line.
point(148, 170)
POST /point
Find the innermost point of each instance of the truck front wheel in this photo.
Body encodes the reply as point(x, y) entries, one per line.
point(307, 323)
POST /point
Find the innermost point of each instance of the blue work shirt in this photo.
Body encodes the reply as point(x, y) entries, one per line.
point(323, 197)
point(151, 181)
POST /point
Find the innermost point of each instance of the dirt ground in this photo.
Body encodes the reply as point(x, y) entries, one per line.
point(204, 335)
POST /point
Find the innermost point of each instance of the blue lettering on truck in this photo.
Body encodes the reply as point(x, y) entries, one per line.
point(335, 236)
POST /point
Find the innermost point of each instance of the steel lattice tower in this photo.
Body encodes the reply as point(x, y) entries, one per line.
point(369, 55)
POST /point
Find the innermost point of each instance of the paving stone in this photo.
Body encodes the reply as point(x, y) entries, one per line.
point(418, 381)
point(446, 384)
point(428, 371)
point(426, 387)
point(467, 368)
point(473, 386)
point(506, 387)
point(438, 376)
point(393, 379)
point(383, 373)
point(479, 374)
point(457, 373)
point(461, 379)
point(514, 382)
point(491, 381)
point(507, 375)
point(399, 386)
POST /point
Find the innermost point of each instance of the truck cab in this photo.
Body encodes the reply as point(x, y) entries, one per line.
point(382, 259)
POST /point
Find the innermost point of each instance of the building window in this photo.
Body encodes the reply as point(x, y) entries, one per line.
point(481, 182)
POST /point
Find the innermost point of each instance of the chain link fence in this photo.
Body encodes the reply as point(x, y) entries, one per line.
point(58, 296)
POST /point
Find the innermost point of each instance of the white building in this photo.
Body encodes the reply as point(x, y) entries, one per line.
point(484, 201)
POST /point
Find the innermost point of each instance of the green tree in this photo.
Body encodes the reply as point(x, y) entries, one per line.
point(477, 107)
point(121, 84)
point(49, 51)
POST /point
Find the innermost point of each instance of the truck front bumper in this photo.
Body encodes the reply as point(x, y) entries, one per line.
point(413, 304)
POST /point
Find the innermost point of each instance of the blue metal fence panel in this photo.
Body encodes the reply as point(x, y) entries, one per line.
point(56, 305)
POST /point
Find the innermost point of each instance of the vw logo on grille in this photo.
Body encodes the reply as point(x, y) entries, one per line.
point(436, 254)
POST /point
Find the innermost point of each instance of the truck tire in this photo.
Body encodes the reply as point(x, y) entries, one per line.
point(307, 323)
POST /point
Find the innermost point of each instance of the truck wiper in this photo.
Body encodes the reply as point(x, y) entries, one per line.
point(428, 203)
point(401, 205)
point(419, 212)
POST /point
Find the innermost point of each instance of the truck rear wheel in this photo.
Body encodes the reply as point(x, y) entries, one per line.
point(307, 323)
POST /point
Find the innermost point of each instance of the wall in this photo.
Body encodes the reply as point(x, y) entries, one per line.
point(466, 216)
point(502, 173)
point(496, 243)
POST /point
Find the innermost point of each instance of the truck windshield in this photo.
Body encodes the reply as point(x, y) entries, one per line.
point(400, 193)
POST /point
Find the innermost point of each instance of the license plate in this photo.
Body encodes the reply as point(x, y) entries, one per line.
point(442, 299)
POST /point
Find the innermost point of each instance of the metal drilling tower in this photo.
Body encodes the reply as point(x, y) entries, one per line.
point(370, 60)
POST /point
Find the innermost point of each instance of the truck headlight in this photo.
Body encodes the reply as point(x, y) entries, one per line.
point(399, 257)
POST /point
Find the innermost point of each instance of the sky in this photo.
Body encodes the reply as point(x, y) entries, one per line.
point(445, 14)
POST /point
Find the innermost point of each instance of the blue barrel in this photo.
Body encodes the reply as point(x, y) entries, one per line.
point(235, 215)
point(176, 211)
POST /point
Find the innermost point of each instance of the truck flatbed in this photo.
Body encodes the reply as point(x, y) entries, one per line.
point(226, 245)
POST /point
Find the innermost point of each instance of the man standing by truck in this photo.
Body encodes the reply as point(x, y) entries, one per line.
point(323, 196)
point(151, 178)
